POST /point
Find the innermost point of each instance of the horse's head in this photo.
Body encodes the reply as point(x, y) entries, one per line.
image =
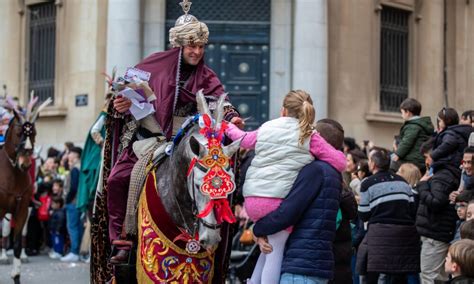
point(21, 133)
point(210, 176)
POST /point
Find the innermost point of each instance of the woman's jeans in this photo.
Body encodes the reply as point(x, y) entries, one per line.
point(74, 227)
point(289, 278)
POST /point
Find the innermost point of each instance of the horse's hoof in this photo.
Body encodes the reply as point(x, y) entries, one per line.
point(16, 279)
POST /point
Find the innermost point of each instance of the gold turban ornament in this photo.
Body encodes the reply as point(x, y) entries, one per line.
point(187, 29)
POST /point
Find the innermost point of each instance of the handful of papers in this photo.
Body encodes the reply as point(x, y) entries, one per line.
point(140, 107)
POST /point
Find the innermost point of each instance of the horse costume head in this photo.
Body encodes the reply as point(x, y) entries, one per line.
point(21, 132)
point(200, 177)
point(210, 175)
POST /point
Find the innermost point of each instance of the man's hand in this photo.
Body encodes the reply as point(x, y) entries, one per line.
point(426, 177)
point(453, 195)
point(239, 122)
point(141, 85)
point(264, 245)
point(122, 104)
point(395, 157)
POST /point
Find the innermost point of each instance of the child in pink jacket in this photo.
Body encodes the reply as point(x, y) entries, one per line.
point(283, 146)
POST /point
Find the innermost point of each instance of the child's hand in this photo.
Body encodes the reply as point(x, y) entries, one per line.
point(354, 176)
point(239, 122)
point(265, 247)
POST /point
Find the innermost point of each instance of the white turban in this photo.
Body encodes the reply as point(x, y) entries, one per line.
point(188, 31)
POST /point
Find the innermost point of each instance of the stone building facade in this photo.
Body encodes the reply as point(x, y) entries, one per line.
point(357, 58)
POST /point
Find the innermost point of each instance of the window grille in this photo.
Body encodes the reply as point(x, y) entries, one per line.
point(42, 47)
point(393, 58)
point(224, 11)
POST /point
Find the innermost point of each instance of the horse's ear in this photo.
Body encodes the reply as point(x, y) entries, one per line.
point(229, 150)
point(202, 106)
point(220, 110)
point(196, 148)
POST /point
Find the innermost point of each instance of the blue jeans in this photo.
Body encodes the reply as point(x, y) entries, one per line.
point(289, 278)
point(57, 242)
point(74, 227)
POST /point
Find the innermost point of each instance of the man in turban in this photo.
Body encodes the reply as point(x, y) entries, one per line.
point(176, 76)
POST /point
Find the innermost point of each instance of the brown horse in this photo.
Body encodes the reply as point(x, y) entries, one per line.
point(15, 183)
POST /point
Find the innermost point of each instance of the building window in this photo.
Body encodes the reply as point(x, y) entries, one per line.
point(393, 58)
point(42, 47)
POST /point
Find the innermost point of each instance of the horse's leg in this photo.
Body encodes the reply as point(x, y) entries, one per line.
point(5, 234)
point(23, 255)
point(20, 220)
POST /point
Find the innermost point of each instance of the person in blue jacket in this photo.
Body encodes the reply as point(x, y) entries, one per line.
point(311, 207)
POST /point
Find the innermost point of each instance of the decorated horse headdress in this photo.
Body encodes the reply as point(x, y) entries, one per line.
point(26, 119)
point(214, 161)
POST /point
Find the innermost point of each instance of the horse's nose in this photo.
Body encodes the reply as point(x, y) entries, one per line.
point(209, 237)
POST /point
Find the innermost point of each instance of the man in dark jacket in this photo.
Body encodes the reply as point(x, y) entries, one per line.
point(311, 207)
point(391, 245)
point(436, 216)
point(414, 132)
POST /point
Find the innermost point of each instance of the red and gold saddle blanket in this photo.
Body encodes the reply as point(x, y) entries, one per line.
point(159, 260)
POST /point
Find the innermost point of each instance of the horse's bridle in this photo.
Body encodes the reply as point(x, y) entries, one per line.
point(27, 130)
point(194, 205)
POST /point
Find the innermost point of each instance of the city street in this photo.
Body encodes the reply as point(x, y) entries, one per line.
point(41, 269)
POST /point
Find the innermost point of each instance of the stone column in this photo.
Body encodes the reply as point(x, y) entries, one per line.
point(310, 52)
point(154, 16)
point(280, 54)
point(123, 35)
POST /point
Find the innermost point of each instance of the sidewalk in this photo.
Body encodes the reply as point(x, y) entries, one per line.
point(43, 270)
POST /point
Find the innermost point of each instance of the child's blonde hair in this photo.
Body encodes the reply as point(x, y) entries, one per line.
point(410, 173)
point(299, 105)
point(462, 253)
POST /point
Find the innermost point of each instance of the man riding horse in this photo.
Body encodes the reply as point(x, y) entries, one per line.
point(176, 76)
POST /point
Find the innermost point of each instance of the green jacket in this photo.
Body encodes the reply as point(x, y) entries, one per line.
point(412, 134)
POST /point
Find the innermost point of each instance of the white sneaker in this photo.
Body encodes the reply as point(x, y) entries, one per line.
point(54, 255)
point(23, 255)
point(3, 256)
point(70, 257)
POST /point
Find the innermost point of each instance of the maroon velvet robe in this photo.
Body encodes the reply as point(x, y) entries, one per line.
point(162, 66)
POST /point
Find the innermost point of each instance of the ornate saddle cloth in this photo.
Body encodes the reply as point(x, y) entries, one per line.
point(159, 260)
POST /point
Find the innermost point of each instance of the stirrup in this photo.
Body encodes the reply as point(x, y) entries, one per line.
point(123, 243)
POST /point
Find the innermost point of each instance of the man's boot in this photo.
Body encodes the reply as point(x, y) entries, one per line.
point(120, 258)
